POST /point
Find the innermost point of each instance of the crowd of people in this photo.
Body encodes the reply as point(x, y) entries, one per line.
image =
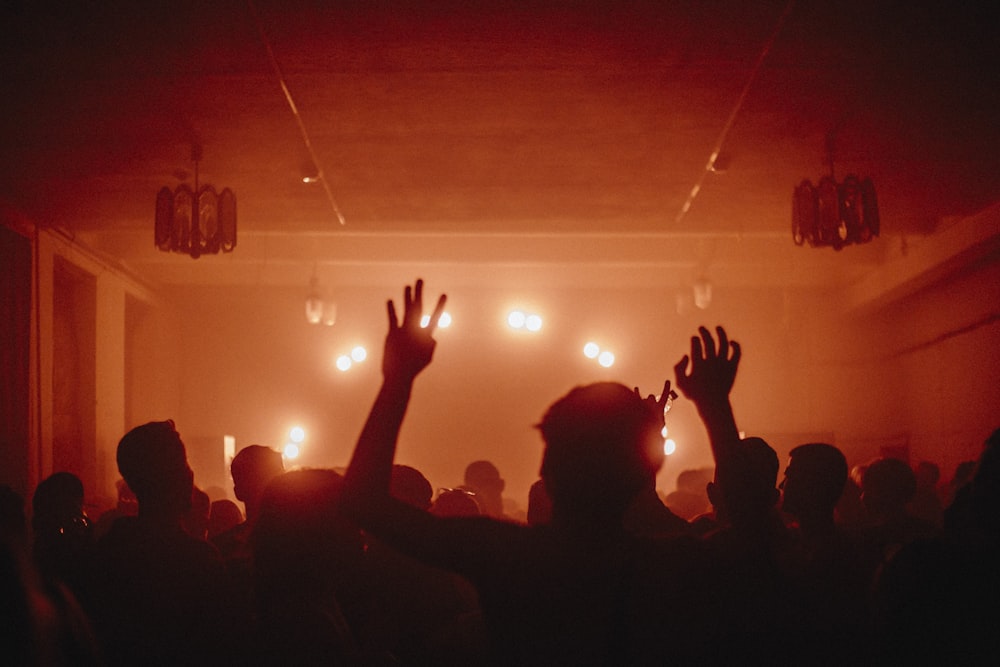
point(369, 566)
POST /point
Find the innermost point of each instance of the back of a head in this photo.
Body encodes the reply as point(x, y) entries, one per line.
point(815, 478)
point(482, 475)
point(57, 502)
point(409, 485)
point(603, 445)
point(252, 468)
point(455, 502)
point(748, 480)
point(152, 461)
point(887, 485)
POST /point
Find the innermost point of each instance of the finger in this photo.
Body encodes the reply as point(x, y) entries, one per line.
point(697, 351)
point(737, 353)
point(436, 315)
point(706, 337)
point(393, 322)
point(723, 342)
point(665, 394)
point(681, 367)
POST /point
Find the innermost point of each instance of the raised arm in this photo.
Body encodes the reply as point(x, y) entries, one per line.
point(708, 383)
point(409, 348)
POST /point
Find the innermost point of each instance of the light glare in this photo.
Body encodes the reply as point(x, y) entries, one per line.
point(591, 350)
point(297, 434)
point(291, 451)
point(516, 319)
point(533, 322)
point(359, 354)
point(669, 446)
point(343, 362)
point(606, 359)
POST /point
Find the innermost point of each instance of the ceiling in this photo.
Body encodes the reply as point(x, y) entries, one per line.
point(520, 141)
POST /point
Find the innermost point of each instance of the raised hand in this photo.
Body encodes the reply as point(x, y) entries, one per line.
point(659, 403)
point(409, 346)
point(713, 367)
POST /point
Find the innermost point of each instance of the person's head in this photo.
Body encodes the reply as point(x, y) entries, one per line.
point(483, 478)
point(57, 504)
point(152, 461)
point(603, 445)
point(252, 469)
point(887, 485)
point(745, 486)
point(814, 480)
point(409, 485)
point(455, 502)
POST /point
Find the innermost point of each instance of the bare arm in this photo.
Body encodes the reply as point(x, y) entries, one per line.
point(408, 350)
point(708, 383)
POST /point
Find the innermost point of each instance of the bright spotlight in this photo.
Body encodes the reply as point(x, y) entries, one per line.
point(669, 446)
point(533, 322)
point(516, 319)
point(443, 321)
point(297, 434)
point(591, 350)
point(291, 451)
point(663, 431)
point(359, 354)
point(606, 359)
point(343, 362)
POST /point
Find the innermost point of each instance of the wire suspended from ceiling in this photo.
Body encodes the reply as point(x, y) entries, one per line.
point(710, 165)
point(295, 112)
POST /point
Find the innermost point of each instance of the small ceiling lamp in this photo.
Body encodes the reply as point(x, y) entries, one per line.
point(319, 309)
point(834, 214)
point(198, 221)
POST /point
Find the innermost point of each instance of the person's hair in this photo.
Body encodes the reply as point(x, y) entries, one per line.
point(152, 461)
point(826, 469)
point(409, 485)
point(256, 464)
point(603, 444)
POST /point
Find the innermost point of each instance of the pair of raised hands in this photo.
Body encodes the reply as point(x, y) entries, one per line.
point(409, 348)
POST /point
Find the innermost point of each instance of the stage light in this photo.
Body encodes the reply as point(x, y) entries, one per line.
point(591, 350)
point(533, 322)
point(291, 451)
point(297, 434)
point(606, 359)
point(443, 322)
point(359, 354)
point(516, 319)
point(343, 362)
point(669, 446)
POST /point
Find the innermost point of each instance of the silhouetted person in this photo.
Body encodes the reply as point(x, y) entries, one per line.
point(161, 595)
point(62, 536)
point(831, 569)
point(409, 485)
point(223, 515)
point(126, 505)
point(926, 502)
point(483, 479)
point(455, 502)
point(252, 470)
point(887, 486)
point(579, 590)
point(309, 574)
point(937, 598)
point(690, 499)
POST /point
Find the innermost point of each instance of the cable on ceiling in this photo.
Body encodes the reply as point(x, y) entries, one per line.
point(710, 165)
point(295, 111)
